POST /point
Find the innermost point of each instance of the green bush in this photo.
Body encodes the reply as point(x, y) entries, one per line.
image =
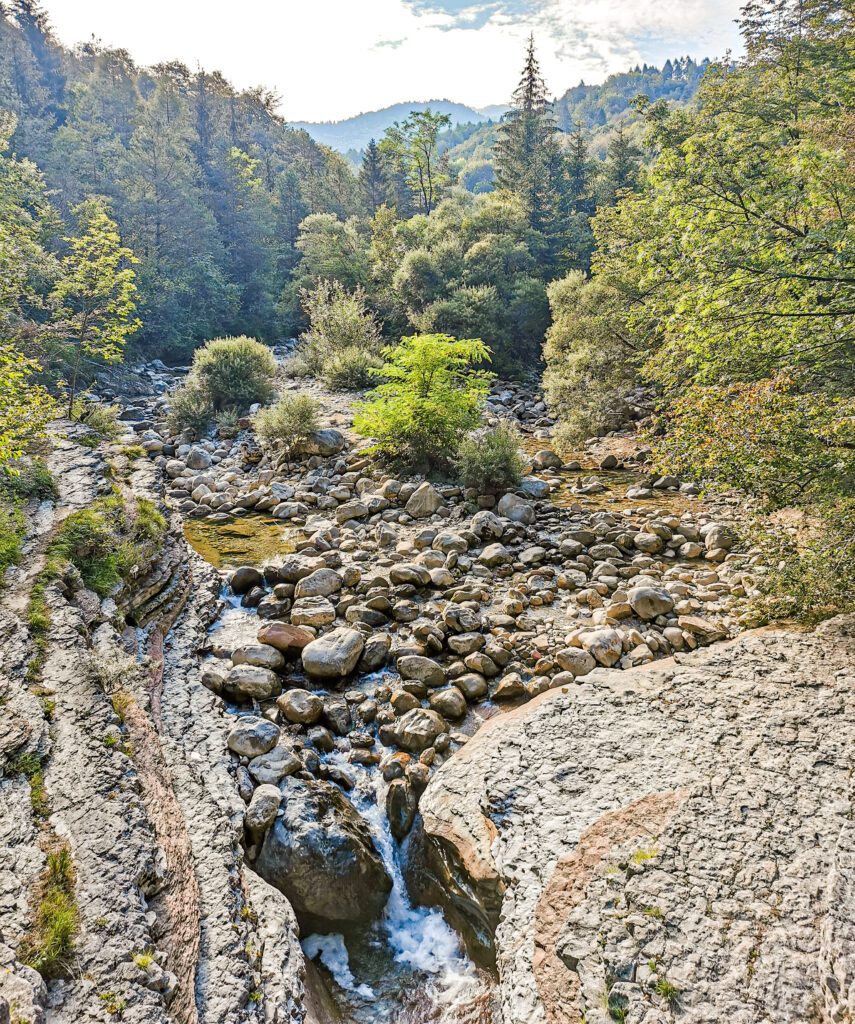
point(12, 530)
point(102, 419)
point(292, 419)
point(233, 373)
point(490, 460)
point(29, 480)
point(432, 395)
point(189, 409)
point(106, 542)
point(350, 369)
point(342, 343)
point(815, 579)
point(20, 481)
point(227, 423)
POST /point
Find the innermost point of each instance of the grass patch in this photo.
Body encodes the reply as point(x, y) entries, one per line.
point(655, 912)
point(667, 990)
point(113, 1004)
point(48, 945)
point(102, 419)
point(30, 766)
point(12, 533)
point(132, 452)
point(642, 855)
point(144, 960)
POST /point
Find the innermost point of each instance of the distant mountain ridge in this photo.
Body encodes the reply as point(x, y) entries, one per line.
point(354, 133)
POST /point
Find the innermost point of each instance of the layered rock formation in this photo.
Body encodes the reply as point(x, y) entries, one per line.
point(674, 842)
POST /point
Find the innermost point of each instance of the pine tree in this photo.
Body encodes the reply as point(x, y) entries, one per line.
point(620, 168)
point(528, 159)
point(372, 179)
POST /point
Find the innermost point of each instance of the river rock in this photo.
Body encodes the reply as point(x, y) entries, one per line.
point(260, 656)
point(285, 638)
point(495, 554)
point(575, 660)
point(417, 729)
point(648, 602)
point(198, 459)
point(517, 509)
point(312, 611)
point(400, 807)
point(249, 682)
point(320, 583)
point(375, 654)
point(261, 813)
point(487, 525)
point(320, 855)
point(448, 701)
point(321, 442)
point(424, 501)
point(242, 580)
point(333, 655)
point(274, 765)
point(605, 645)
point(472, 685)
point(427, 671)
point(250, 737)
point(300, 706)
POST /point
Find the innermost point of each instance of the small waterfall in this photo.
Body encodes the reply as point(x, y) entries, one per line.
point(425, 952)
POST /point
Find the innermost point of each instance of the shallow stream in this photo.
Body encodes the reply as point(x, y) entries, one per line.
point(409, 967)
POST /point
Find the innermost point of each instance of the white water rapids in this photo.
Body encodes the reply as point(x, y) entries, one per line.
point(418, 938)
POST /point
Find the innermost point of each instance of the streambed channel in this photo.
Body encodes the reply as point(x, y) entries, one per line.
point(408, 966)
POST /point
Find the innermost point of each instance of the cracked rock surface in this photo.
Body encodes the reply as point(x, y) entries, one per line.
point(671, 843)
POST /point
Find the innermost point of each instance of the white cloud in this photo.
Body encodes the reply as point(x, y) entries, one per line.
point(333, 58)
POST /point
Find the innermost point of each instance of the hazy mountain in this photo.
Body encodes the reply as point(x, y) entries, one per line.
point(354, 133)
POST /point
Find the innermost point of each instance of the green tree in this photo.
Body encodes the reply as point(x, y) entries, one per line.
point(528, 158)
point(25, 406)
point(412, 151)
point(432, 394)
point(621, 168)
point(373, 187)
point(96, 294)
point(734, 263)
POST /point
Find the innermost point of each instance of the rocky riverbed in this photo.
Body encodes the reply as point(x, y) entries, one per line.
point(345, 634)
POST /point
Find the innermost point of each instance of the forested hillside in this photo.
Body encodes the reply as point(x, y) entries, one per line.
point(207, 184)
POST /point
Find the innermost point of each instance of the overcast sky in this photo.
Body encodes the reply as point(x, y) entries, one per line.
point(329, 59)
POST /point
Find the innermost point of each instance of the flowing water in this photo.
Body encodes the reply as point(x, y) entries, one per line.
point(408, 968)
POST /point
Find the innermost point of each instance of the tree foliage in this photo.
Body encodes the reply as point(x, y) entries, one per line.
point(735, 261)
point(94, 298)
point(432, 394)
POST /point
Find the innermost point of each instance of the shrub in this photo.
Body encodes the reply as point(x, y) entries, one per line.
point(343, 341)
point(432, 396)
point(189, 409)
point(590, 370)
point(350, 369)
point(102, 419)
point(12, 530)
point(227, 423)
point(816, 579)
point(292, 419)
point(233, 373)
point(105, 542)
point(490, 460)
point(29, 480)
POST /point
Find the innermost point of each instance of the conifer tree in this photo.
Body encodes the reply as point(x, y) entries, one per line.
point(528, 157)
point(372, 179)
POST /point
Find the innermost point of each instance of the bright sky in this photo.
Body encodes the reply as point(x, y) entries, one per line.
point(329, 59)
